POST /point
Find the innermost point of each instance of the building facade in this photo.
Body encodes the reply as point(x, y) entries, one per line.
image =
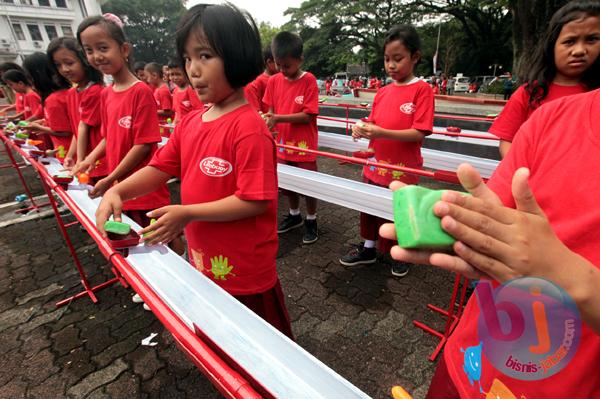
point(27, 26)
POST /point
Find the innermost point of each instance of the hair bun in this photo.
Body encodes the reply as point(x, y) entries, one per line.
point(113, 18)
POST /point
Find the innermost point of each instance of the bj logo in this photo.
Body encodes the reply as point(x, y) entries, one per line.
point(215, 167)
point(529, 327)
point(125, 122)
point(408, 108)
point(299, 100)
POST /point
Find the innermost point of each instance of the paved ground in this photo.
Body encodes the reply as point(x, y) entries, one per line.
point(358, 321)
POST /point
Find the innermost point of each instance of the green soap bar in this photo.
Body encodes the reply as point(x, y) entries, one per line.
point(21, 135)
point(416, 224)
point(152, 221)
point(119, 228)
point(22, 123)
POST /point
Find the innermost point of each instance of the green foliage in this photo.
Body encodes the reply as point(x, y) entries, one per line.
point(149, 25)
point(496, 87)
point(267, 32)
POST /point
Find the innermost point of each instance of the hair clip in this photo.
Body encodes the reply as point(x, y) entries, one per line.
point(113, 18)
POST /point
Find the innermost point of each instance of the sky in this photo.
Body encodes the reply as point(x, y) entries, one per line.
point(265, 11)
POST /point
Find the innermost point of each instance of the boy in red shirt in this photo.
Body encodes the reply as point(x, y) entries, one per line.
point(255, 91)
point(184, 97)
point(293, 100)
point(162, 95)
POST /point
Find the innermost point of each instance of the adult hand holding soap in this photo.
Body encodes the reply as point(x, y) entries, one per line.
point(416, 224)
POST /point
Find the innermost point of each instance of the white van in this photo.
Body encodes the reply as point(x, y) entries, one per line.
point(461, 84)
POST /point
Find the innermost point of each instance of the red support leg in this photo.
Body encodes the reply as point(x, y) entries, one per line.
point(452, 315)
point(16, 167)
point(88, 290)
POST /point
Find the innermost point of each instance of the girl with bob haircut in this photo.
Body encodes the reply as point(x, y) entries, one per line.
point(225, 158)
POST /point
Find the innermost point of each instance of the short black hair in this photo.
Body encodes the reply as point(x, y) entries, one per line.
point(407, 35)
point(16, 75)
point(231, 33)
point(267, 53)
point(139, 65)
point(155, 67)
point(7, 66)
point(43, 77)
point(69, 43)
point(287, 44)
point(175, 63)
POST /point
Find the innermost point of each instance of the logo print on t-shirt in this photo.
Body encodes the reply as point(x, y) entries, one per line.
point(125, 122)
point(408, 108)
point(186, 103)
point(299, 100)
point(215, 167)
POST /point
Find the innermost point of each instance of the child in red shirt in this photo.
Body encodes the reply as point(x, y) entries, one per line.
point(293, 100)
point(230, 227)
point(31, 102)
point(255, 90)
point(185, 99)
point(565, 63)
point(401, 117)
point(128, 113)
point(162, 95)
point(533, 228)
point(83, 102)
point(17, 106)
point(53, 128)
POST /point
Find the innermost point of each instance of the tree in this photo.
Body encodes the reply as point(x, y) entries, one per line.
point(486, 25)
point(345, 32)
point(530, 19)
point(267, 33)
point(149, 25)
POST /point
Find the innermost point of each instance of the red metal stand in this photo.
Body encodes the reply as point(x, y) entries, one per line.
point(15, 166)
point(452, 315)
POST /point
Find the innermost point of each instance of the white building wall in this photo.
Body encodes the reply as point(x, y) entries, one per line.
point(27, 26)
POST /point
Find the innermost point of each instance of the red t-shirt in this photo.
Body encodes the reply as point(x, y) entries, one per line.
point(164, 101)
point(195, 101)
point(232, 155)
point(400, 107)
point(32, 105)
point(129, 118)
point(255, 91)
point(517, 110)
point(19, 102)
point(559, 143)
point(184, 101)
point(287, 97)
point(57, 118)
point(84, 106)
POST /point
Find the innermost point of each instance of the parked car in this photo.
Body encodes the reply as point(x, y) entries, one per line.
point(461, 84)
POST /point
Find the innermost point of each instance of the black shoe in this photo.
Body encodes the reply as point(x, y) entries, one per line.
point(311, 233)
point(400, 269)
point(359, 256)
point(290, 222)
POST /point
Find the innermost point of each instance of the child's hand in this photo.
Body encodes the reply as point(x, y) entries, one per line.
point(33, 126)
point(492, 240)
point(101, 187)
point(365, 129)
point(68, 162)
point(84, 166)
point(111, 205)
point(170, 222)
point(270, 120)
